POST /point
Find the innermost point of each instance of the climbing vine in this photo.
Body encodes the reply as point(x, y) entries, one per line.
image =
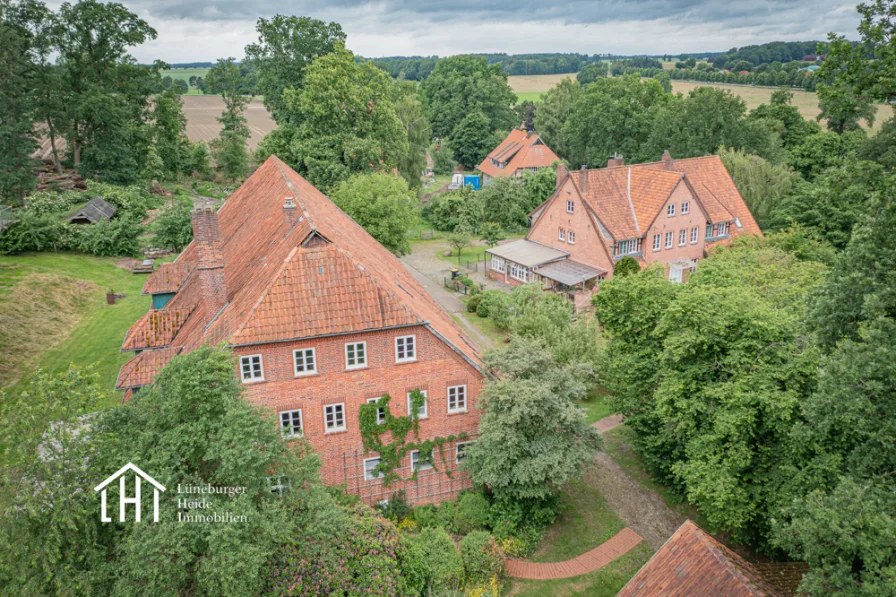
point(374, 428)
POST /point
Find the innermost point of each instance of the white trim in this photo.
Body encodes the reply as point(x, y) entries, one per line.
point(670, 210)
point(685, 208)
point(425, 406)
point(369, 476)
point(570, 206)
point(406, 359)
point(464, 392)
point(378, 411)
point(292, 433)
point(295, 366)
point(571, 237)
point(657, 242)
point(356, 365)
point(252, 378)
point(327, 429)
point(670, 239)
point(682, 237)
point(695, 234)
point(562, 234)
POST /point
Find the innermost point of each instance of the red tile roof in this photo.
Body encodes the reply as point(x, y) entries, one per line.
point(693, 564)
point(144, 367)
point(155, 329)
point(520, 149)
point(322, 275)
point(168, 278)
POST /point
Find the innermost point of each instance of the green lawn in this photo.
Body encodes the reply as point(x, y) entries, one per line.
point(97, 336)
point(605, 582)
point(487, 327)
point(530, 96)
point(597, 405)
point(584, 521)
point(184, 74)
point(618, 444)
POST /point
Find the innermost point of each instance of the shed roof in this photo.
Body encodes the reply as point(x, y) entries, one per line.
point(96, 209)
point(569, 272)
point(528, 253)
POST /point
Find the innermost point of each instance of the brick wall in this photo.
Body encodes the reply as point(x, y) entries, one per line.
point(437, 367)
point(665, 223)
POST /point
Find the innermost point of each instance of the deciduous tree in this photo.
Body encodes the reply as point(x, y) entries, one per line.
point(382, 204)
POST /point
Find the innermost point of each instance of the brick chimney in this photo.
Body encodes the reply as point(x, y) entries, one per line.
point(583, 179)
point(616, 161)
point(668, 164)
point(207, 236)
point(290, 212)
point(561, 175)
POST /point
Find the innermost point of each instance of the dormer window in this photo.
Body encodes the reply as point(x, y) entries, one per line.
point(570, 206)
point(627, 247)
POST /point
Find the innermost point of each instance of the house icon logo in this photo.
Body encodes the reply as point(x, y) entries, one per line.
point(123, 501)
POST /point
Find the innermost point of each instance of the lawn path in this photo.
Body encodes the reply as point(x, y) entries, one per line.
point(618, 545)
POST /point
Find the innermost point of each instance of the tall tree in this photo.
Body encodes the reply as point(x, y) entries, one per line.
point(169, 127)
point(229, 149)
point(382, 205)
point(555, 109)
point(286, 47)
point(462, 85)
point(17, 136)
point(410, 112)
point(763, 185)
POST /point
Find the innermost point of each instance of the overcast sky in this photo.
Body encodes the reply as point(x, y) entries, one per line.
point(204, 30)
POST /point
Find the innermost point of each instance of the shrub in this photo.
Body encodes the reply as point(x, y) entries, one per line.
point(131, 201)
point(112, 237)
point(497, 306)
point(174, 227)
point(442, 558)
point(465, 281)
point(625, 266)
point(443, 159)
point(474, 302)
point(49, 202)
point(471, 513)
point(482, 558)
point(426, 516)
point(32, 233)
point(397, 508)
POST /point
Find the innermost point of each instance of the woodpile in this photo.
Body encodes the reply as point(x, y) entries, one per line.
point(51, 181)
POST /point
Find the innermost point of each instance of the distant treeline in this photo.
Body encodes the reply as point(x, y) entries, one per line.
point(193, 65)
point(417, 68)
point(776, 51)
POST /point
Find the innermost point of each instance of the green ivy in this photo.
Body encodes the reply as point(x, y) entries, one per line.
point(391, 453)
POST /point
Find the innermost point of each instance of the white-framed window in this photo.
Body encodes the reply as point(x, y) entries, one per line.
point(519, 272)
point(657, 239)
point(562, 234)
point(675, 274)
point(717, 230)
point(423, 411)
point(669, 239)
point(305, 361)
point(685, 207)
point(695, 233)
point(291, 423)
point(627, 247)
point(457, 399)
point(355, 355)
point(405, 349)
point(497, 264)
point(670, 210)
point(380, 412)
point(416, 465)
point(682, 237)
point(279, 484)
point(571, 237)
point(570, 206)
point(459, 449)
point(370, 472)
point(334, 417)
point(251, 368)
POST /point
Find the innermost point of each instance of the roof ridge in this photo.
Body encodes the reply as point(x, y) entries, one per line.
point(712, 545)
point(628, 194)
point(295, 195)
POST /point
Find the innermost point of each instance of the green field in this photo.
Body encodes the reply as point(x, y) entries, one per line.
point(93, 331)
point(184, 74)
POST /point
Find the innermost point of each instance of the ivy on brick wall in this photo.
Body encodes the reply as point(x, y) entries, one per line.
point(373, 430)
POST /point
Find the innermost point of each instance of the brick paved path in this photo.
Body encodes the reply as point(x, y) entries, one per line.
point(607, 423)
point(618, 545)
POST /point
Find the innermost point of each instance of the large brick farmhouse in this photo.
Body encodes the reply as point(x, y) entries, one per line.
point(522, 151)
point(666, 212)
point(322, 318)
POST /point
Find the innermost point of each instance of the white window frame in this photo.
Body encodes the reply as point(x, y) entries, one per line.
point(670, 239)
point(571, 237)
point(562, 234)
point(279, 486)
point(519, 272)
point(497, 264)
point(570, 206)
point(415, 460)
point(685, 208)
point(252, 377)
point(628, 247)
point(327, 428)
point(380, 412)
point(657, 242)
point(295, 361)
point(463, 390)
point(670, 210)
point(357, 365)
point(695, 234)
point(413, 344)
point(283, 428)
point(368, 474)
point(457, 458)
point(425, 406)
point(682, 237)
point(676, 275)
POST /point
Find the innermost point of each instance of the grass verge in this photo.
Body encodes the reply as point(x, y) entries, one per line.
point(605, 582)
point(596, 405)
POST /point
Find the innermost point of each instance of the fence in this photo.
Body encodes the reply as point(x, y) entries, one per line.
point(431, 486)
point(455, 285)
point(422, 234)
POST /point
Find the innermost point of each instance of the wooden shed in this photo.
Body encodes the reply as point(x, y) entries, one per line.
point(96, 209)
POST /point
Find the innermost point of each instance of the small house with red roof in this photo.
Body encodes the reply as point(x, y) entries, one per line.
point(668, 212)
point(522, 151)
point(322, 319)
